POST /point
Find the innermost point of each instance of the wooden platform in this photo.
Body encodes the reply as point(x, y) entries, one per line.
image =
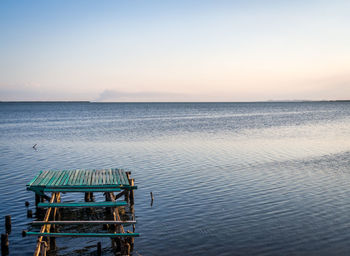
point(106, 181)
point(68, 180)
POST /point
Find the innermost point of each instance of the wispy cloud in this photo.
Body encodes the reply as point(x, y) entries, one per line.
point(116, 95)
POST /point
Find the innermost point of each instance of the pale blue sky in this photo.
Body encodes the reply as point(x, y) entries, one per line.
point(174, 50)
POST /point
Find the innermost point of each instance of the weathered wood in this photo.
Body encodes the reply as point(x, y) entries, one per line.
point(132, 192)
point(84, 181)
point(63, 222)
point(4, 244)
point(82, 234)
point(82, 204)
point(99, 249)
point(72, 189)
point(29, 213)
point(8, 223)
point(44, 228)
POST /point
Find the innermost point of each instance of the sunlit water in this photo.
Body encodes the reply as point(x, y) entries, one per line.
point(228, 178)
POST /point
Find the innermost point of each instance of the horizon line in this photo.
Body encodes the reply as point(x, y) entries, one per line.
point(87, 101)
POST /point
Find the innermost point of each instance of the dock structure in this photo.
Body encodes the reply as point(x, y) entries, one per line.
point(115, 184)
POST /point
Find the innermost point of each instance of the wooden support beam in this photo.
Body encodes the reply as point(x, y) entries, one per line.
point(44, 228)
point(67, 222)
point(81, 189)
point(82, 204)
point(41, 234)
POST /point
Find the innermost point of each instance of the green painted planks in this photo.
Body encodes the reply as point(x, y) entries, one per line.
point(34, 179)
point(115, 173)
point(125, 178)
point(105, 177)
point(60, 176)
point(83, 204)
point(40, 178)
point(82, 234)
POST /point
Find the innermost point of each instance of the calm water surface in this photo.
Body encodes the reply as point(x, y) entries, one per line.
point(228, 178)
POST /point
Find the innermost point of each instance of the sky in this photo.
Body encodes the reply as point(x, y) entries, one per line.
point(179, 50)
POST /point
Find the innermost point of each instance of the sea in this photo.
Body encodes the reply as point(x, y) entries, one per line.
point(252, 178)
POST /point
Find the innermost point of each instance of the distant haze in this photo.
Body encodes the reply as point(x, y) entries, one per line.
point(174, 50)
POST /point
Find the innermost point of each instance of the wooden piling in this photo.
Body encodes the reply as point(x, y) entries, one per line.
point(8, 224)
point(37, 199)
point(29, 213)
point(4, 244)
point(132, 183)
point(99, 249)
point(87, 197)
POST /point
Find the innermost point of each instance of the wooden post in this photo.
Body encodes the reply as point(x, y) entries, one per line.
point(52, 243)
point(126, 198)
point(132, 192)
point(118, 244)
point(99, 249)
point(152, 198)
point(29, 214)
point(127, 248)
point(87, 197)
point(4, 244)
point(8, 224)
point(92, 197)
point(37, 199)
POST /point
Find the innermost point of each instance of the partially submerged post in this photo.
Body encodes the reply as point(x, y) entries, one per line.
point(88, 182)
point(4, 244)
point(8, 224)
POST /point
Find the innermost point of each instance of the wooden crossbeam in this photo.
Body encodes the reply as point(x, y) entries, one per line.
point(63, 222)
point(82, 234)
point(81, 190)
point(82, 204)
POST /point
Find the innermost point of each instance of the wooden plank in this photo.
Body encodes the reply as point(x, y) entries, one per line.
point(93, 179)
point(45, 180)
point(104, 175)
point(85, 186)
point(115, 174)
point(76, 176)
point(83, 204)
point(62, 179)
point(79, 177)
point(90, 178)
point(82, 234)
point(74, 173)
point(111, 180)
point(67, 222)
point(82, 177)
point(121, 177)
point(99, 181)
point(54, 177)
point(33, 180)
point(75, 189)
point(125, 178)
point(66, 180)
point(40, 178)
point(60, 176)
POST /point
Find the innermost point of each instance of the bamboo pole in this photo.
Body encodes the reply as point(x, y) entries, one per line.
point(45, 227)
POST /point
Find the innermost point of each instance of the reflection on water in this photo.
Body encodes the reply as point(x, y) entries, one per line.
point(227, 178)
